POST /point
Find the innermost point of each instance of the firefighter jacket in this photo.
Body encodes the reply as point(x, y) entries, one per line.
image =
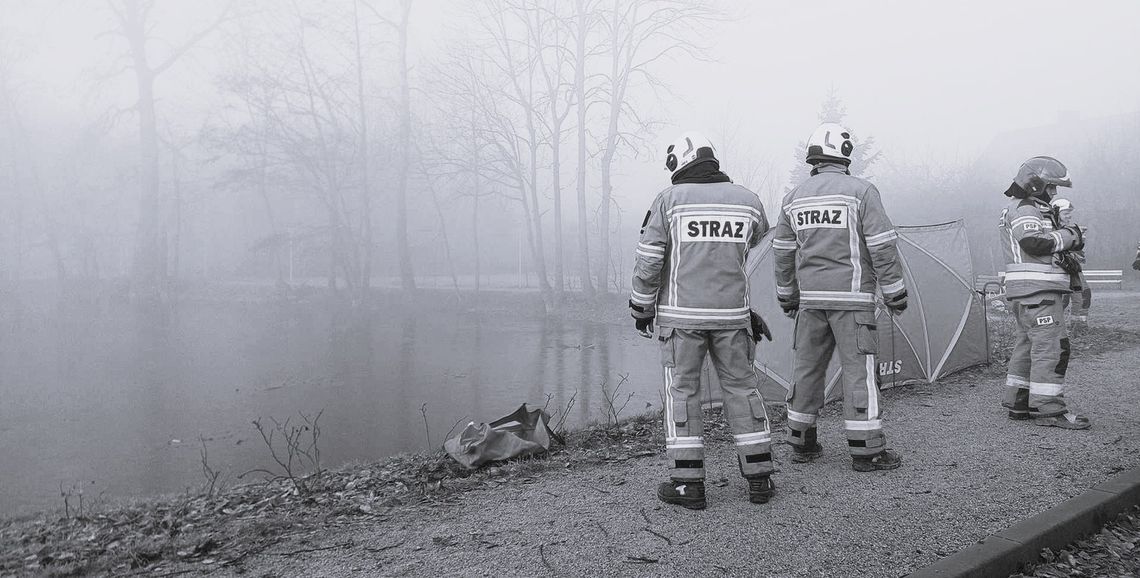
point(834, 243)
point(689, 269)
point(1032, 236)
point(1066, 215)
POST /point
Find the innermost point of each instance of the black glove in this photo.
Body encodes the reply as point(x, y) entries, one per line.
point(1069, 263)
point(897, 304)
point(790, 307)
point(642, 319)
point(1136, 264)
point(759, 328)
point(644, 326)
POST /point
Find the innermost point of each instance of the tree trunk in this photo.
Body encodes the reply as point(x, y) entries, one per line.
point(148, 262)
point(476, 160)
point(580, 91)
point(365, 183)
point(403, 143)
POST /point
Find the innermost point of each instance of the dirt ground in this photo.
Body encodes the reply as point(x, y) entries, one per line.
point(968, 472)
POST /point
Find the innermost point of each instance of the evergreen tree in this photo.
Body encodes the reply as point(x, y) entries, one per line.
point(862, 158)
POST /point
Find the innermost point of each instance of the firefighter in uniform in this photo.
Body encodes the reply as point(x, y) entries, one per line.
point(1040, 270)
point(1081, 300)
point(689, 277)
point(834, 248)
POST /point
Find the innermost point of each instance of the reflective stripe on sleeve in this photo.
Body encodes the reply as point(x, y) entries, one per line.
point(642, 298)
point(655, 249)
point(894, 287)
point(785, 290)
point(882, 238)
point(1023, 220)
point(782, 245)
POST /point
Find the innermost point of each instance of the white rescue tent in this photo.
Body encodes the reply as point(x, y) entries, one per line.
point(942, 331)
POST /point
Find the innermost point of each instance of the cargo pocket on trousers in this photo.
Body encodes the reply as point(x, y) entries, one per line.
point(866, 332)
point(680, 412)
point(751, 347)
point(756, 405)
point(668, 353)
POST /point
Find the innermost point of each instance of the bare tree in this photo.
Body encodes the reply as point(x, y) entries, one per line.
point(639, 35)
point(134, 20)
point(403, 143)
point(584, 17)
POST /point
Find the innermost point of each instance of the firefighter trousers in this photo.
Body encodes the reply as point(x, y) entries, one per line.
point(1035, 379)
point(818, 334)
point(732, 352)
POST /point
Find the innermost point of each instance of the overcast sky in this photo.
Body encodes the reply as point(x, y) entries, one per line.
point(927, 79)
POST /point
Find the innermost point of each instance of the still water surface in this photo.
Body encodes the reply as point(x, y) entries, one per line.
point(90, 397)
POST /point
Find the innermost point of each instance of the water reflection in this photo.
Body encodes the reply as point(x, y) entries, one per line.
point(100, 394)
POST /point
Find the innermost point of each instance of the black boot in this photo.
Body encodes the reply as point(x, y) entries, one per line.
point(884, 460)
point(689, 495)
point(760, 489)
point(809, 451)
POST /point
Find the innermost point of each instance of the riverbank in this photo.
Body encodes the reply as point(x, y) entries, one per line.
point(588, 508)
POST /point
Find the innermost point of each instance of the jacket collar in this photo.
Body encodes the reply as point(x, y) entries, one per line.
point(826, 167)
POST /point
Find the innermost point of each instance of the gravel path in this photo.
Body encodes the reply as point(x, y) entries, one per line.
point(968, 472)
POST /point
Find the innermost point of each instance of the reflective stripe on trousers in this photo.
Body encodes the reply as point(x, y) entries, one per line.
point(1035, 380)
point(818, 334)
point(731, 351)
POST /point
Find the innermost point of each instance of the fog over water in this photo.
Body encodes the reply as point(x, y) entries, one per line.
point(212, 211)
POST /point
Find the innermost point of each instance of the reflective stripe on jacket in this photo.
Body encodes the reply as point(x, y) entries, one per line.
point(1031, 239)
point(691, 254)
point(834, 243)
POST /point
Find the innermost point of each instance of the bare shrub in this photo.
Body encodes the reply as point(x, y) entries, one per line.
point(294, 448)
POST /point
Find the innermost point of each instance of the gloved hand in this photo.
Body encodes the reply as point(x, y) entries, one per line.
point(897, 304)
point(642, 319)
point(759, 328)
point(644, 326)
point(791, 308)
point(1069, 263)
point(1136, 264)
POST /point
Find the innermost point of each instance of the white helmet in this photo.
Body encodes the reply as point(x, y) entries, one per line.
point(686, 150)
point(830, 142)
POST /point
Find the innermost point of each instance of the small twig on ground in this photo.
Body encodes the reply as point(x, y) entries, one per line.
point(208, 471)
point(640, 560)
point(345, 544)
point(427, 432)
point(645, 516)
point(562, 415)
point(386, 548)
point(668, 540)
point(542, 554)
point(455, 425)
point(605, 532)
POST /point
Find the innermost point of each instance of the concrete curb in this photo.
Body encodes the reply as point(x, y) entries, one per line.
point(1007, 551)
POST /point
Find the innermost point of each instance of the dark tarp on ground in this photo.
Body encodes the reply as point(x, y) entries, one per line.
point(522, 433)
point(942, 331)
